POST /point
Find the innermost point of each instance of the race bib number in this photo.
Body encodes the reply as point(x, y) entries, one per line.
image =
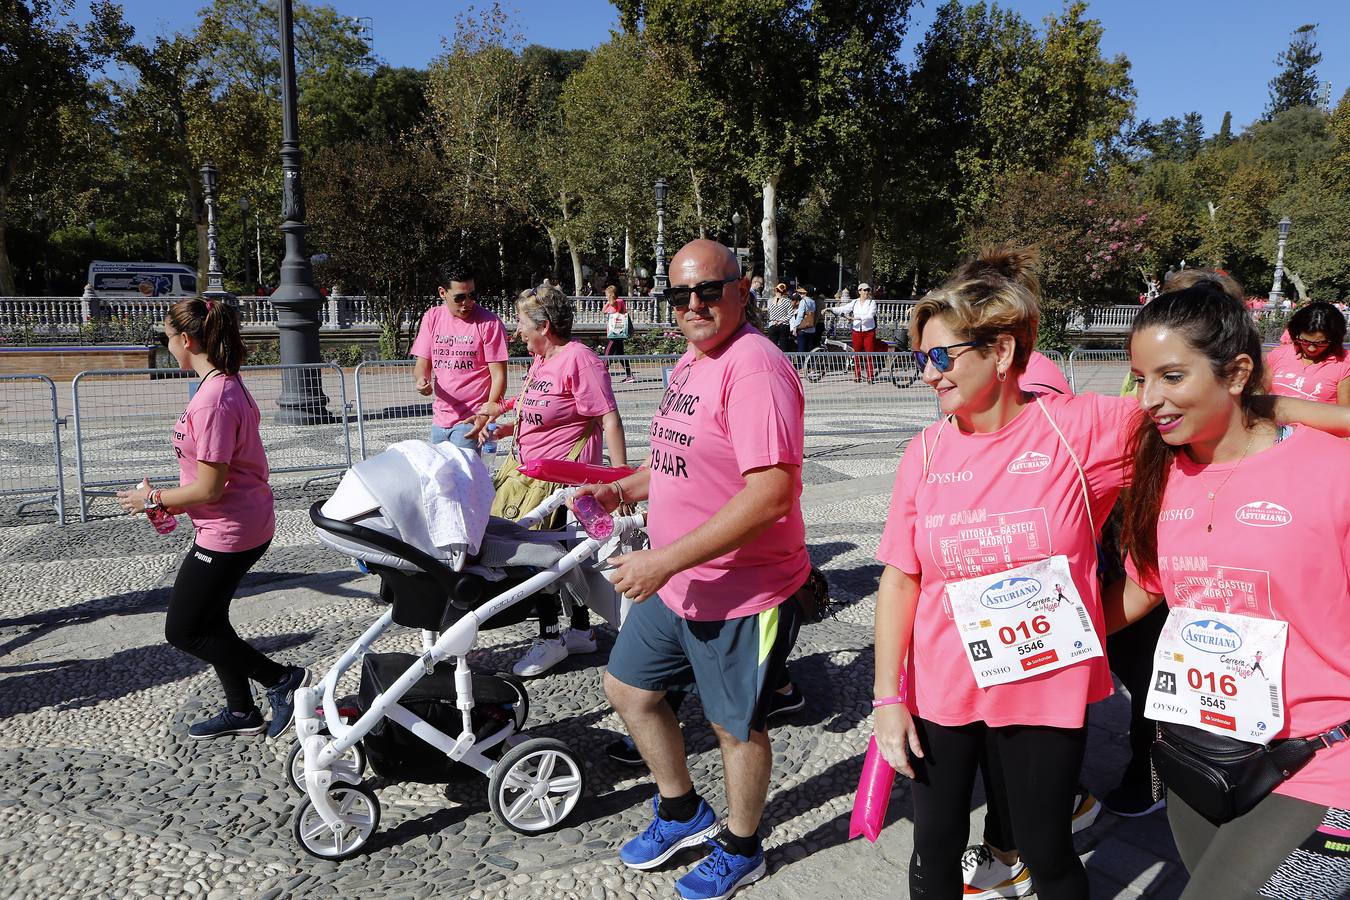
point(1022, 622)
point(1221, 672)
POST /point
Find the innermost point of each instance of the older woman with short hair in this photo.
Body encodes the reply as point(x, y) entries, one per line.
point(567, 403)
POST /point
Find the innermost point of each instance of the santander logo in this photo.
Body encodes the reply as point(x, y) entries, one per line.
point(1263, 514)
point(1029, 463)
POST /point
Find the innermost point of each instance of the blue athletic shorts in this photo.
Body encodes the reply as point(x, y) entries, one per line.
point(734, 664)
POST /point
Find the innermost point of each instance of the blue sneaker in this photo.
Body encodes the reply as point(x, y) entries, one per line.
point(282, 698)
point(721, 873)
point(226, 722)
point(663, 838)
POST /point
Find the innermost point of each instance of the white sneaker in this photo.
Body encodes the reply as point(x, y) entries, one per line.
point(1086, 809)
point(577, 641)
point(986, 878)
point(543, 655)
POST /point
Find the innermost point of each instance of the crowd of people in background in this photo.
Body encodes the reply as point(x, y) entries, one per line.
point(1035, 542)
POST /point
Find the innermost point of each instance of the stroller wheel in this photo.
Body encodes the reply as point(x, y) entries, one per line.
point(536, 785)
point(357, 807)
point(353, 764)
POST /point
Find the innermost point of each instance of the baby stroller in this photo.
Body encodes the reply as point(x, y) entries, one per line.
point(424, 718)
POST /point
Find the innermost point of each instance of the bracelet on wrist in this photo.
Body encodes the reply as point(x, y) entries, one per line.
point(888, 701)
point(618, 488)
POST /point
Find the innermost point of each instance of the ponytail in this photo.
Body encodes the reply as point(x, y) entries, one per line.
point(214, 325)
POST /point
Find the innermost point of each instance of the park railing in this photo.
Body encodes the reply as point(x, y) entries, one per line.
point(30, 431)
point(123, 419)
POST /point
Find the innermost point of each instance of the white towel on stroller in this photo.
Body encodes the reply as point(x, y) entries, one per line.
point(434, 497)
point(456, 491)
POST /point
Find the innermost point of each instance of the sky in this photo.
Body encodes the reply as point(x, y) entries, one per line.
point(1187, 55)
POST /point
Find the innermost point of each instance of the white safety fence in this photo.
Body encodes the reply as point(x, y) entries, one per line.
point(1098, 371)
point(860, 405)
point(30, 441)
point(124, 421)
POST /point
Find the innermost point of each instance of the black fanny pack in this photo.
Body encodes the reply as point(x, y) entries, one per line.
point(1222, 777)
point(813, 597)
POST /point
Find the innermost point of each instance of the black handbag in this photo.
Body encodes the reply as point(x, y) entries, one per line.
point(813, 597)
point(1222, 777)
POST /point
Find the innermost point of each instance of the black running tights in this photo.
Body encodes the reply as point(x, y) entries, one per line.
point(198, 622)
point(1036, 770)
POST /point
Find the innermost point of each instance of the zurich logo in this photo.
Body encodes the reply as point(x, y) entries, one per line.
point(1211, 636)
point(1010, 592)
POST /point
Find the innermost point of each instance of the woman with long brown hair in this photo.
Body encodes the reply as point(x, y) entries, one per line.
point(224, 491)
point(1243, 526)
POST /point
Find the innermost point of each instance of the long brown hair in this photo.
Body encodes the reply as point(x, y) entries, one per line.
point(214, 325)
point(1212, 321)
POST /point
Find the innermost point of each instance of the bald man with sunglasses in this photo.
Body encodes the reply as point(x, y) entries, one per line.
point(727, 558)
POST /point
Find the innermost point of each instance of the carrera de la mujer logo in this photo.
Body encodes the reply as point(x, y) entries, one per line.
point(1263, 514)
point(1028, 463)
point(1010, 592)
point(1211, 636)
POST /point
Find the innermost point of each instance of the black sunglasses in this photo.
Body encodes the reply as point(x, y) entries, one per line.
point(941, 357)
point(1314, 344)
point(708, 291)
point(460, 298)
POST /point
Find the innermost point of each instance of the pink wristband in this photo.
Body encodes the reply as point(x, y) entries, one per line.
point(887, 701)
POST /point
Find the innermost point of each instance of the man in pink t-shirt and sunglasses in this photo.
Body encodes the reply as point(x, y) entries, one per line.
point(728, 556)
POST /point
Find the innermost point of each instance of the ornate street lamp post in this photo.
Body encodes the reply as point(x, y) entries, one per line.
point(215, 279)
point(736, 234)
point(659, 280)
point(296, 300)
point(1276, 294)
point(840, 288)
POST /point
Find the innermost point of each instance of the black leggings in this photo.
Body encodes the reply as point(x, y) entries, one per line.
point(1033, 770)
point(198, 622)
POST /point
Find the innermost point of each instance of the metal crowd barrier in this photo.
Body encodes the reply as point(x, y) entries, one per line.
point(30, 432)
point(124, 420)
point(1098, 371)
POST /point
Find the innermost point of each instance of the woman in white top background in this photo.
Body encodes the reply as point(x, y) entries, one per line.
point(864, 313)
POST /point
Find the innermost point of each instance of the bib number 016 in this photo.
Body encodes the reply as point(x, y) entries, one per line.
point(1023, 631)
point(1199, 681)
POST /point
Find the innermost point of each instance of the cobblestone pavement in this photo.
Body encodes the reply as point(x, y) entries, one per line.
point(102, 794)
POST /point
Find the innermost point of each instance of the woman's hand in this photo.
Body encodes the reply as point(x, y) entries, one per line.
point(897, 738)
point(607, 495)
point(133, 501)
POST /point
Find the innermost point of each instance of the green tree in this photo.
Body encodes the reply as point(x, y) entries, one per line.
point(46, 63)
point(372, 213)
point(1296, 83)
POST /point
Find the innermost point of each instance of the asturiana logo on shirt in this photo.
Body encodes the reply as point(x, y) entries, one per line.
point(1010, 592)
point(1028, 463)
point(1264, 514)
point(1211, 636)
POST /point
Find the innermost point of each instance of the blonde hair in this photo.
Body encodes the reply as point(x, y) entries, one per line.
point(548, 305)
point(996, 292)
point(1188, 278)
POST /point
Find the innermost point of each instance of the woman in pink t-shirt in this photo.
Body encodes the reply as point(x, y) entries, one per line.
point(1244, 527)
point(1314, 364)
point(1008, 480)
point(614, 346)
point(566, 406)
point(224, 491)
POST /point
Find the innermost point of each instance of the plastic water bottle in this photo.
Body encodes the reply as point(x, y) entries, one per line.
point(163, 521)
point(490, 445)
point(598, 523)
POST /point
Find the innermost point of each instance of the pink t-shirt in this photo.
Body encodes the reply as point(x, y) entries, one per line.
point(738, 408)
point(562, 395)
point(1042, 375)
point(991, 502)
point(1291, 562)
point(220, 425)
point(459, 350)
point(1294, 377)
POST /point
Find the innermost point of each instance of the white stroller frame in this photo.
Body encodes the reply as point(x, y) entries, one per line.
point(340, 813)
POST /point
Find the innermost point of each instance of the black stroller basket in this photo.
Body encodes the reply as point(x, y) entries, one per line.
point(396, 753)
point(435, 597)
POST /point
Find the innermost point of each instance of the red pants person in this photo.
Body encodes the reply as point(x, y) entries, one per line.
point(864, 342)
